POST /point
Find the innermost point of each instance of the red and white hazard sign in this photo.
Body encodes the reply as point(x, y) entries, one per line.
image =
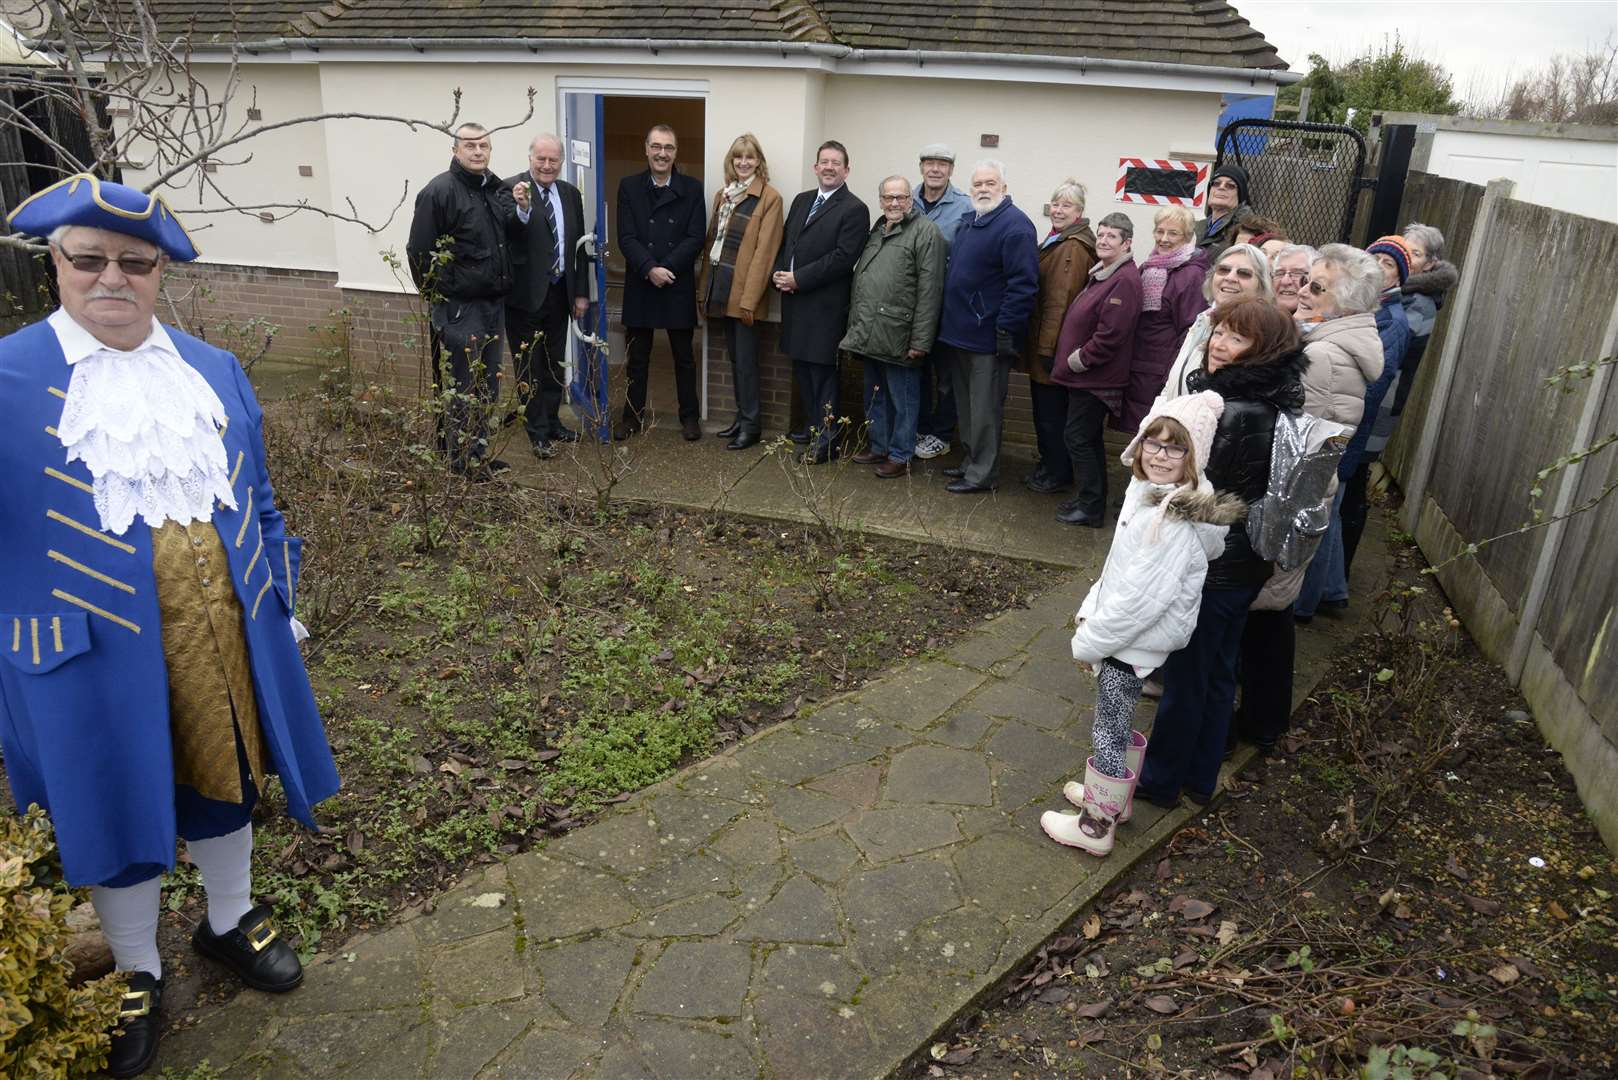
point(1160, 182)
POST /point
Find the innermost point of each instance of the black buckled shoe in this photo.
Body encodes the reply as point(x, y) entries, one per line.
point(255, 951)
point(139, 1026)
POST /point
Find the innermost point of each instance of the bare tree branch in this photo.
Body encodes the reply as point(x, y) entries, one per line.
point(260, 209)
point(147, 105)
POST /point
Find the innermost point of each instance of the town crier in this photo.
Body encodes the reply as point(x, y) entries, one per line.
point(152, 677)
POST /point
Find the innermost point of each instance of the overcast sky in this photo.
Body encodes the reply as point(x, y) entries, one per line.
point(1483, 43)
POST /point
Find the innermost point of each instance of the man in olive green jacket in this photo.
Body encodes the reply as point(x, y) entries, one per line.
point(892, 317)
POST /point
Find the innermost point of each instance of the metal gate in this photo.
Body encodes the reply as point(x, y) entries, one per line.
point(1305, 176)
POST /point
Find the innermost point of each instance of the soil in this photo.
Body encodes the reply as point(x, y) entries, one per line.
point(1305, 926)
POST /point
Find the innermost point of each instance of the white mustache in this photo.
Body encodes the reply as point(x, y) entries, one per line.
point(101, 292)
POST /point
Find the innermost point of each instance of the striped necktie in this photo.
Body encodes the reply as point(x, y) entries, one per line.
point(556, 234)
point(820, 200)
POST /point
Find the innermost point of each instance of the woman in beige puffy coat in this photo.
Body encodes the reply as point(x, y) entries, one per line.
point(1337, 313)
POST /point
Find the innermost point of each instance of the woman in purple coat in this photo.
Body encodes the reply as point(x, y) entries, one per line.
point(1093, 360)
point(1171, 299)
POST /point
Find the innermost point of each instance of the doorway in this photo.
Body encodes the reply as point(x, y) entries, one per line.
point(605, 124)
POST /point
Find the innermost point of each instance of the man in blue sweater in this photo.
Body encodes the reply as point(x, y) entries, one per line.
point(946, 206)
point(988, 299)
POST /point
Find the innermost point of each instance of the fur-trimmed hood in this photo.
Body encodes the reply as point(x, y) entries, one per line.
point(1435, 281)
point(1200, 506)
point(1144, 606)
point(1279, 382)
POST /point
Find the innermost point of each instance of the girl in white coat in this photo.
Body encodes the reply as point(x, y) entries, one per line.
point(1145, 605)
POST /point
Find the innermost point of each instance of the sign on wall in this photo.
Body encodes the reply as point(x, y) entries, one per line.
point(1157, 182)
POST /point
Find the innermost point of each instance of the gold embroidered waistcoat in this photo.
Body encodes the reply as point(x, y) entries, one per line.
point(211, 701)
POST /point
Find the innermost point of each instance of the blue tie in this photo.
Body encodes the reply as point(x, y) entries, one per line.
point(550, 219)
point(820, 200)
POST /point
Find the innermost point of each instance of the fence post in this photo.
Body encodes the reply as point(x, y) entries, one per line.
point(1432, 424)
point(1392, 168)
point(1551, 547)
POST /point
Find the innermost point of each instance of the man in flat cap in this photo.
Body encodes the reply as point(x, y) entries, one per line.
point(946, 206)
point(151, 676)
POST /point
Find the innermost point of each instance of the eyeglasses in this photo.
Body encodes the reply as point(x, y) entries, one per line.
point(659, 148)
point(1168, 450)
point(1287, 275)
point(1315, 288)
point(1240, 271)
point(131, 265)
point(895, 198)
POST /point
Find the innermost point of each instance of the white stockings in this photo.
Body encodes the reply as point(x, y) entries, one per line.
point(129, 915)
point(225, 862)
point(129, 922)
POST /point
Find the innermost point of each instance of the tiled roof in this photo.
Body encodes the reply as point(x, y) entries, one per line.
point(1206, 32)
point(1171, 31)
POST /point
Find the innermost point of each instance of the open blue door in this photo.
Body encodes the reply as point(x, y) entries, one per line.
point(582, 127)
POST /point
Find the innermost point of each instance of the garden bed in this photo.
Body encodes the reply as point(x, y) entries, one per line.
point(494, 663)
point(1411, 890)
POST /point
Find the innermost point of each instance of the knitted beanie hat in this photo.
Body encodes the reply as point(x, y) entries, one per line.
point(1395, 248)
point(1198, 413)
point(1237, 175)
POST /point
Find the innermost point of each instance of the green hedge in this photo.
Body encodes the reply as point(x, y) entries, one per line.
point(47, 1027)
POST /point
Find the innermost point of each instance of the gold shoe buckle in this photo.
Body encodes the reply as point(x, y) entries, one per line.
point(144, 999)
point(261, 935)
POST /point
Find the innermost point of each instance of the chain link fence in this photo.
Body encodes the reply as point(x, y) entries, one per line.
point(1305, 176)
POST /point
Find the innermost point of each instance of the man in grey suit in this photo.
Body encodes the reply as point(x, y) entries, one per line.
point(824, 234)
point(550, 282)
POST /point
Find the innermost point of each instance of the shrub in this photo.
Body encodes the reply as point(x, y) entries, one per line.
point(47, 1027)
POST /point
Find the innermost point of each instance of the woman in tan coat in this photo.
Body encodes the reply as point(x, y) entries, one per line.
point(1065, 257)
point(744, 233)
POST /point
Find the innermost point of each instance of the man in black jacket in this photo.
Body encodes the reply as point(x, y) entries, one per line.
point(466, 278)
point(824, 234)
point(550, 281)
point(661, 225)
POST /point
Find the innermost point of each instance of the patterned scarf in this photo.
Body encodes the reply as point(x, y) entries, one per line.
point(1155, 274)
point(733, 195)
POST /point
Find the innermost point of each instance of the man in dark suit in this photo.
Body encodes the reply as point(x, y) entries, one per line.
point(550, 281)
point(824, 235)
point(661, 225)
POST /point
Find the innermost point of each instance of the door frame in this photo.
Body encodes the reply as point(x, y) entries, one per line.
point(602, 87)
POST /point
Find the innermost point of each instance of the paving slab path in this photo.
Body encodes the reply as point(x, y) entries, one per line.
point(815, 902)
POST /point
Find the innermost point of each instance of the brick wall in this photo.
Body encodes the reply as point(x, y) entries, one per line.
point(316, 322)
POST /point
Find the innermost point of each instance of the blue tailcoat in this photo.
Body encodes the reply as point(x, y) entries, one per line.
point(84, 696)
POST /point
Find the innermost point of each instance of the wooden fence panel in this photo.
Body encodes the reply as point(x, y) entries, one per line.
point(1581, 609)
point(1539, 307)
point(1451, 207)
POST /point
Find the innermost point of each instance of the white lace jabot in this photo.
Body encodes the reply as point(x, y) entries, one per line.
point(145, 424)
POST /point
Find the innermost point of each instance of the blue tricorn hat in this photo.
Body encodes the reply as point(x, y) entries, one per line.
point(101, 204)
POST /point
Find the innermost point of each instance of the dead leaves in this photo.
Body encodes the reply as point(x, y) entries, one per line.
point(1505, 974)
point(1091, 927)
point(942, 1053)
point(1190, 910)
point(1162, 1004)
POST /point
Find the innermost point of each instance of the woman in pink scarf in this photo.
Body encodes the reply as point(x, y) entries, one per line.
point(1171, 299)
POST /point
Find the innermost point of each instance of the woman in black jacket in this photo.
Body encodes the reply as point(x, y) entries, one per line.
point(1254, 361)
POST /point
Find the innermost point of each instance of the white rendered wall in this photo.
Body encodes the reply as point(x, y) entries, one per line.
point(1575, 175)
point(303, 241)
point(1047, 133)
